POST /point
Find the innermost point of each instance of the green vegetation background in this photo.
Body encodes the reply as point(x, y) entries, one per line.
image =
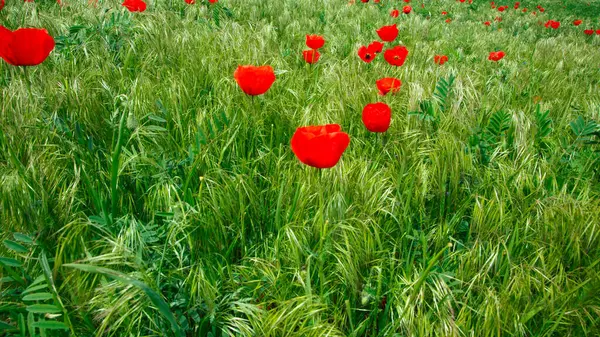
point(143, 194)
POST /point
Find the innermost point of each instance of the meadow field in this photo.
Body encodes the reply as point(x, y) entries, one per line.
point(145, 193)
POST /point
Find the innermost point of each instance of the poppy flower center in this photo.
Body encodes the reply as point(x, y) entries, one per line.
point(368, 56)
point(396, 57)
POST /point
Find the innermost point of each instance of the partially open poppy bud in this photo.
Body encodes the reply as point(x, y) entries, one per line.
point(320, 146)
point(377, 117)
point(254, 80)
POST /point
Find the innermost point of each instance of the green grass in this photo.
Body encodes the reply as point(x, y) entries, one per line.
point(477, 214)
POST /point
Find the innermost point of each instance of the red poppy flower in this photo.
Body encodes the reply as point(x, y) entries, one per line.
point(496, 56)
point(462, 1)
point(577, 22)
point(190, 2)
point(589, 32)
point(135, 5)
point(377, 117)
point(552, 24)
point(501, 8)
point(1, 4)
point(311, 56)
point(407, 1)
point(517, 4)
point(28, 1)
point(598, 32)
point(376, 47)
point(524, 10)
point(448, 20)
point(487, 23)
point(388, 33)
point(493, 6)
point(320, 146)
point(366, 54)
point(394, 13)
point(388, 84)
point(440, 59)
point(407, 9)
point(213, 1)
point(444, 13)
point(364, 1)
point(254, 80)
point(396, 56)
point(314, 41)
point(25, 46)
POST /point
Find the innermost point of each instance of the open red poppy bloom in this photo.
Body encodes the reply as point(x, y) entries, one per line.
point(314, 41)
point(496, 56)
point(366, 54)
point(213, 1)
point(394, 13)
point(552, 24)
point(376, 47)
point(577, 22)
point(517, 4)
point(598, 32)
point(1, 4)
point(25, 46)
point(135, 5)
point(388, 84)
point(320, 146)
point(444, 13)
point(190, 2)
point(589, 32)
point(407, 9)
point(448, 20)
point(311, 56)
point(487, 23)
point(396, 56)
point(377, 117)
point(440, 59)
point(254, 80)
point(388, 33)
point(501, 8)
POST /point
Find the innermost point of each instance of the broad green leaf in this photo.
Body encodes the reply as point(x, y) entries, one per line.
point(34, 289)
point(37, 297)
point(17, 247)
point(43, 309)
point(23, 238)
point(10, 262)
point(50, 325)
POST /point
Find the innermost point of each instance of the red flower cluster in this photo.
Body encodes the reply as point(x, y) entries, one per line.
point(552, 24)
point(440, 59)
point(25, 46)
point(313, 42)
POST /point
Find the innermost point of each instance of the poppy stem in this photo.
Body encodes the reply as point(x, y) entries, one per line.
point(28, 81)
